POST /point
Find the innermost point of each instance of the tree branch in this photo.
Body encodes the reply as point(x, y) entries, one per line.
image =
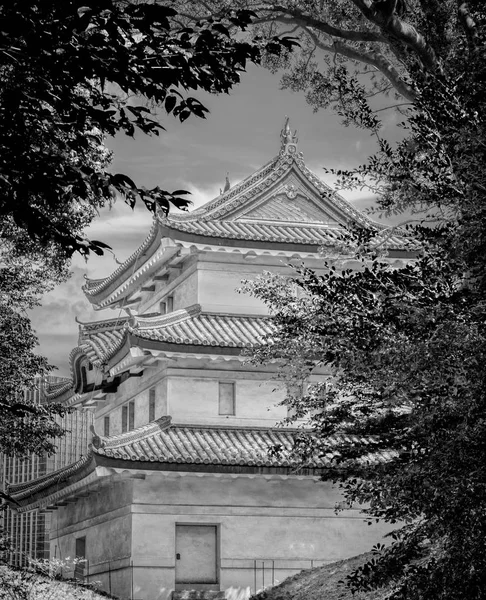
point(373, 58)
point(384, 16)
point(379, 61)
point(306, 21)
point(466, 20)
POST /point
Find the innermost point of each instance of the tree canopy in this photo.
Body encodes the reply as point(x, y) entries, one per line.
point(377, 45)
point(69, 73)
point(404, 347)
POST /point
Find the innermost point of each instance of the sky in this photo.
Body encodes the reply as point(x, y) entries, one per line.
point(240, 134)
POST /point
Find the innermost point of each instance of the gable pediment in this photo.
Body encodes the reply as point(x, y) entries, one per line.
point(288, 207)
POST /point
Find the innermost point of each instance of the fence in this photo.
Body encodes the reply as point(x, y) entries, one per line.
point(117, 577)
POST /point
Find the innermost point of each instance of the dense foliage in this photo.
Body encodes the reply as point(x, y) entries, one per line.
point(69, 73)
point(351, 50)
point(25, 274)
point(404, 345)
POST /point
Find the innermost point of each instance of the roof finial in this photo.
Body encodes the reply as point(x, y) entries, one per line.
point(287, 138)
point(227, 184)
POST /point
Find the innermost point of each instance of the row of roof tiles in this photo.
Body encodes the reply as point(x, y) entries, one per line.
point(204, 329)
point(264, 232)
point(187, 326)
point(100, 341)
point(160, 442)
point(226, 446)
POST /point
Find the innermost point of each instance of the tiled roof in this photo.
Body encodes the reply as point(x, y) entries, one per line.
point(264, 232)
point(222, 218)
point(191, 326)
point(101, 339)
point(207, 447)
point(313, 235)
point(162, 443)
point(54, 390)
point(210, 446)
point(93, 287)
point(55, 480)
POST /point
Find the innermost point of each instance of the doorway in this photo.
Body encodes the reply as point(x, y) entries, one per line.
point(196, 549)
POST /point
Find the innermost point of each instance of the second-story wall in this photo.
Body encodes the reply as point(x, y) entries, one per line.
point(194, 392)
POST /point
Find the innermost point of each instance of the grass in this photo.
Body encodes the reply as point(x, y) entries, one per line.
point(321, 583)
point(25, 584)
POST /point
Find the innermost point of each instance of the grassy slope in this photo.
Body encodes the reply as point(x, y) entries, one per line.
point(321, 583)
point(16, 584)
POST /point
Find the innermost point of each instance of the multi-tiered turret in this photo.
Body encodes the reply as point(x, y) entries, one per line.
point(184, 426)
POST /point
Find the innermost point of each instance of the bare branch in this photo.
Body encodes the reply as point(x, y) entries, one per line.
point(393, 106)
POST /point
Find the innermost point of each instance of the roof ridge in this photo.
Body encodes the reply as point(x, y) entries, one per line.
point(100, 442)
point(216, 202)
point(176, 316)
point(104, 323)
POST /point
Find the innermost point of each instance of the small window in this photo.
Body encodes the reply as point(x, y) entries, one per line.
point(106, 426)
point(80, 561)
point(81, 547)
point(124, 418)
point(131, 416)
point(151, 405)
point(170, 303)
point(226, 398)
point(162, 308)
point(90, 366)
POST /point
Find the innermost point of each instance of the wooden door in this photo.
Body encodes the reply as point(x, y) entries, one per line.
point(196, 554)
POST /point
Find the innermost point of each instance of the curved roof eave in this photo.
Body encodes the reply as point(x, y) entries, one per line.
point(100, 288)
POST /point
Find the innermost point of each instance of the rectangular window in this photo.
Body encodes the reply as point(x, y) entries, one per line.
point(226, 398)
point(106, 426)
point(170, 303)
point(80, 561)
point(124, 418)
point(162, 308)
point(151, 405)
point(131, 416)
point(81, 547)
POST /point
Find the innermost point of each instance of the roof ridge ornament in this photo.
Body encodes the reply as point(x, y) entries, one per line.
point(288, 140)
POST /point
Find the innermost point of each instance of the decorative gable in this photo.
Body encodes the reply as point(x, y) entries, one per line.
point(288, 206)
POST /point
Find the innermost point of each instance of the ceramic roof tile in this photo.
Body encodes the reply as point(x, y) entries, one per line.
point(274, 232)
point(198, 444)
point(204, 329)
point(164, 443)
point(21, 491)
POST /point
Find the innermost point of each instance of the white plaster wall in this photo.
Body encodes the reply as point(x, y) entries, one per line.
point(186, 293)
point(104, 518)
point(217, 292)
point(287, 524)
point(134, 389)
point(196, 400)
